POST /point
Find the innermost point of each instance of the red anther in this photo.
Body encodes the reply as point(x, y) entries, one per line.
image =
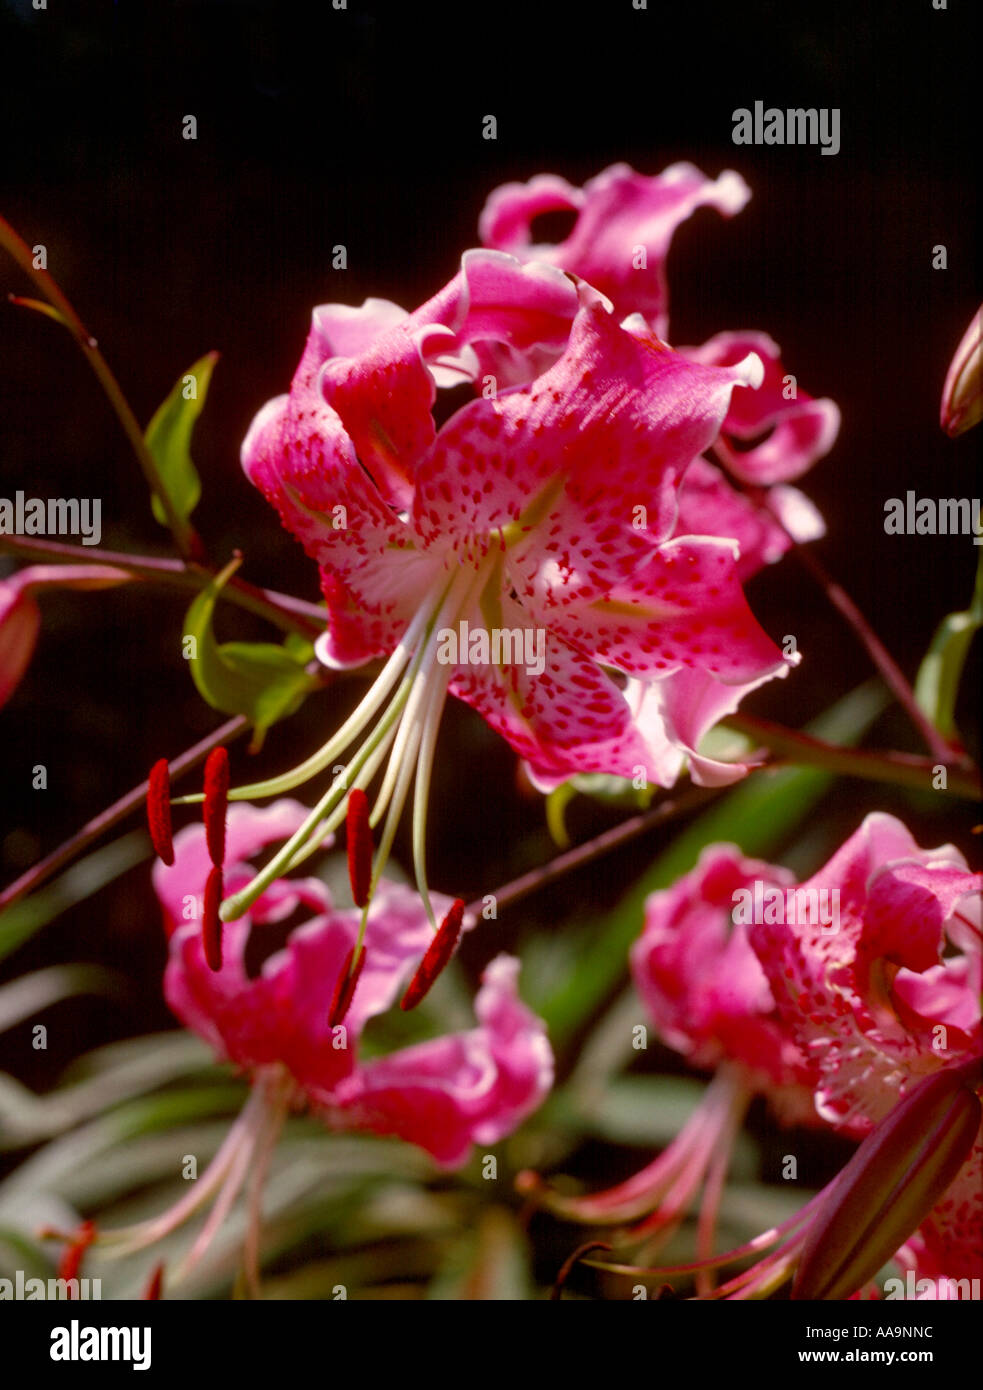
point(211, 922)
point(345, 987)
point(159, 810)
point(71, 1260)
point(438, 954)
point(216, 803)
point(154, 1284)
point(359, 836)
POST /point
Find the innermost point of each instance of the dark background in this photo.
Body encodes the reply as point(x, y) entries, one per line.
point(363, 127)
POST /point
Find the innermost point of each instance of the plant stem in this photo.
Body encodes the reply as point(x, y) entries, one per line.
point(291, 614)
point(942, 750)
point(689, 800)
point(184, 535)
point(119, 810)
point(898, 769)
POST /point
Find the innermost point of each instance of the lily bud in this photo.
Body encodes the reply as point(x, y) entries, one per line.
point(962, 394)
point(890, 1184)
point(20, 620)
point(20, 617)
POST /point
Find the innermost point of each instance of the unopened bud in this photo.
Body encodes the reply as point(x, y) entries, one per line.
point(962, 394)
point(890, 1184)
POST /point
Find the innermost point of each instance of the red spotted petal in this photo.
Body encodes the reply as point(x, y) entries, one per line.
point(843, 992)
point(456, 1091)
point(620, 215)
point(702, 984)
point(800, 430)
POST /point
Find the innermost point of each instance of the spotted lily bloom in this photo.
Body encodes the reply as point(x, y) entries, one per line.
point(708, 998)
point(620, 242)
point(275, 1025)
point(672, 715)
point(890, 997)
point(543, 515)
point(875, 997)
point(624, 227)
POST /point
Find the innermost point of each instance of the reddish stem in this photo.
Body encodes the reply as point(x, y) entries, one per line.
point(119, 810)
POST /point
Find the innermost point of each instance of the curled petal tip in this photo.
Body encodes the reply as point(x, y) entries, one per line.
point(568, 1265)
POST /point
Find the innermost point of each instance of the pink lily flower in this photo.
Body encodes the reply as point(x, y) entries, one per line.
point(889, 998)
point(619, 213)
point(20, 616)
point(444, 1095)
point(673, 715)
point(799, 430)
point(704, 987)
point(620, 242)
point(709, 1000)
point(547, 511)
point(835, 998)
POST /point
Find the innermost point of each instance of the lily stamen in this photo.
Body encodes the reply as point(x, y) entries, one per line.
point(216, 804)
point(359, 837)
point(345, 985)
point(438, 954)
point(211, 922)
point(159, 811)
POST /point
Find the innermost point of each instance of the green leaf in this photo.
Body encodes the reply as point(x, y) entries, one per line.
point(937, 683)
point(31, 993)
point(597, 786)
point(758, 815)
point(99, 1081)
point(261, 680)
point(649, 1112)
point(168, 437)
point(488, 1265)
point(26, 1255)
point(556, 805)
point(22, 920)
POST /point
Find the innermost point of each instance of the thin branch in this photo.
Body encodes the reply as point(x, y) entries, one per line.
point(780, 746)
point(897, 769)
point(941, 749)
point(184, 535)
point(689, 800)
point(119, 810)
point(280, 609)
